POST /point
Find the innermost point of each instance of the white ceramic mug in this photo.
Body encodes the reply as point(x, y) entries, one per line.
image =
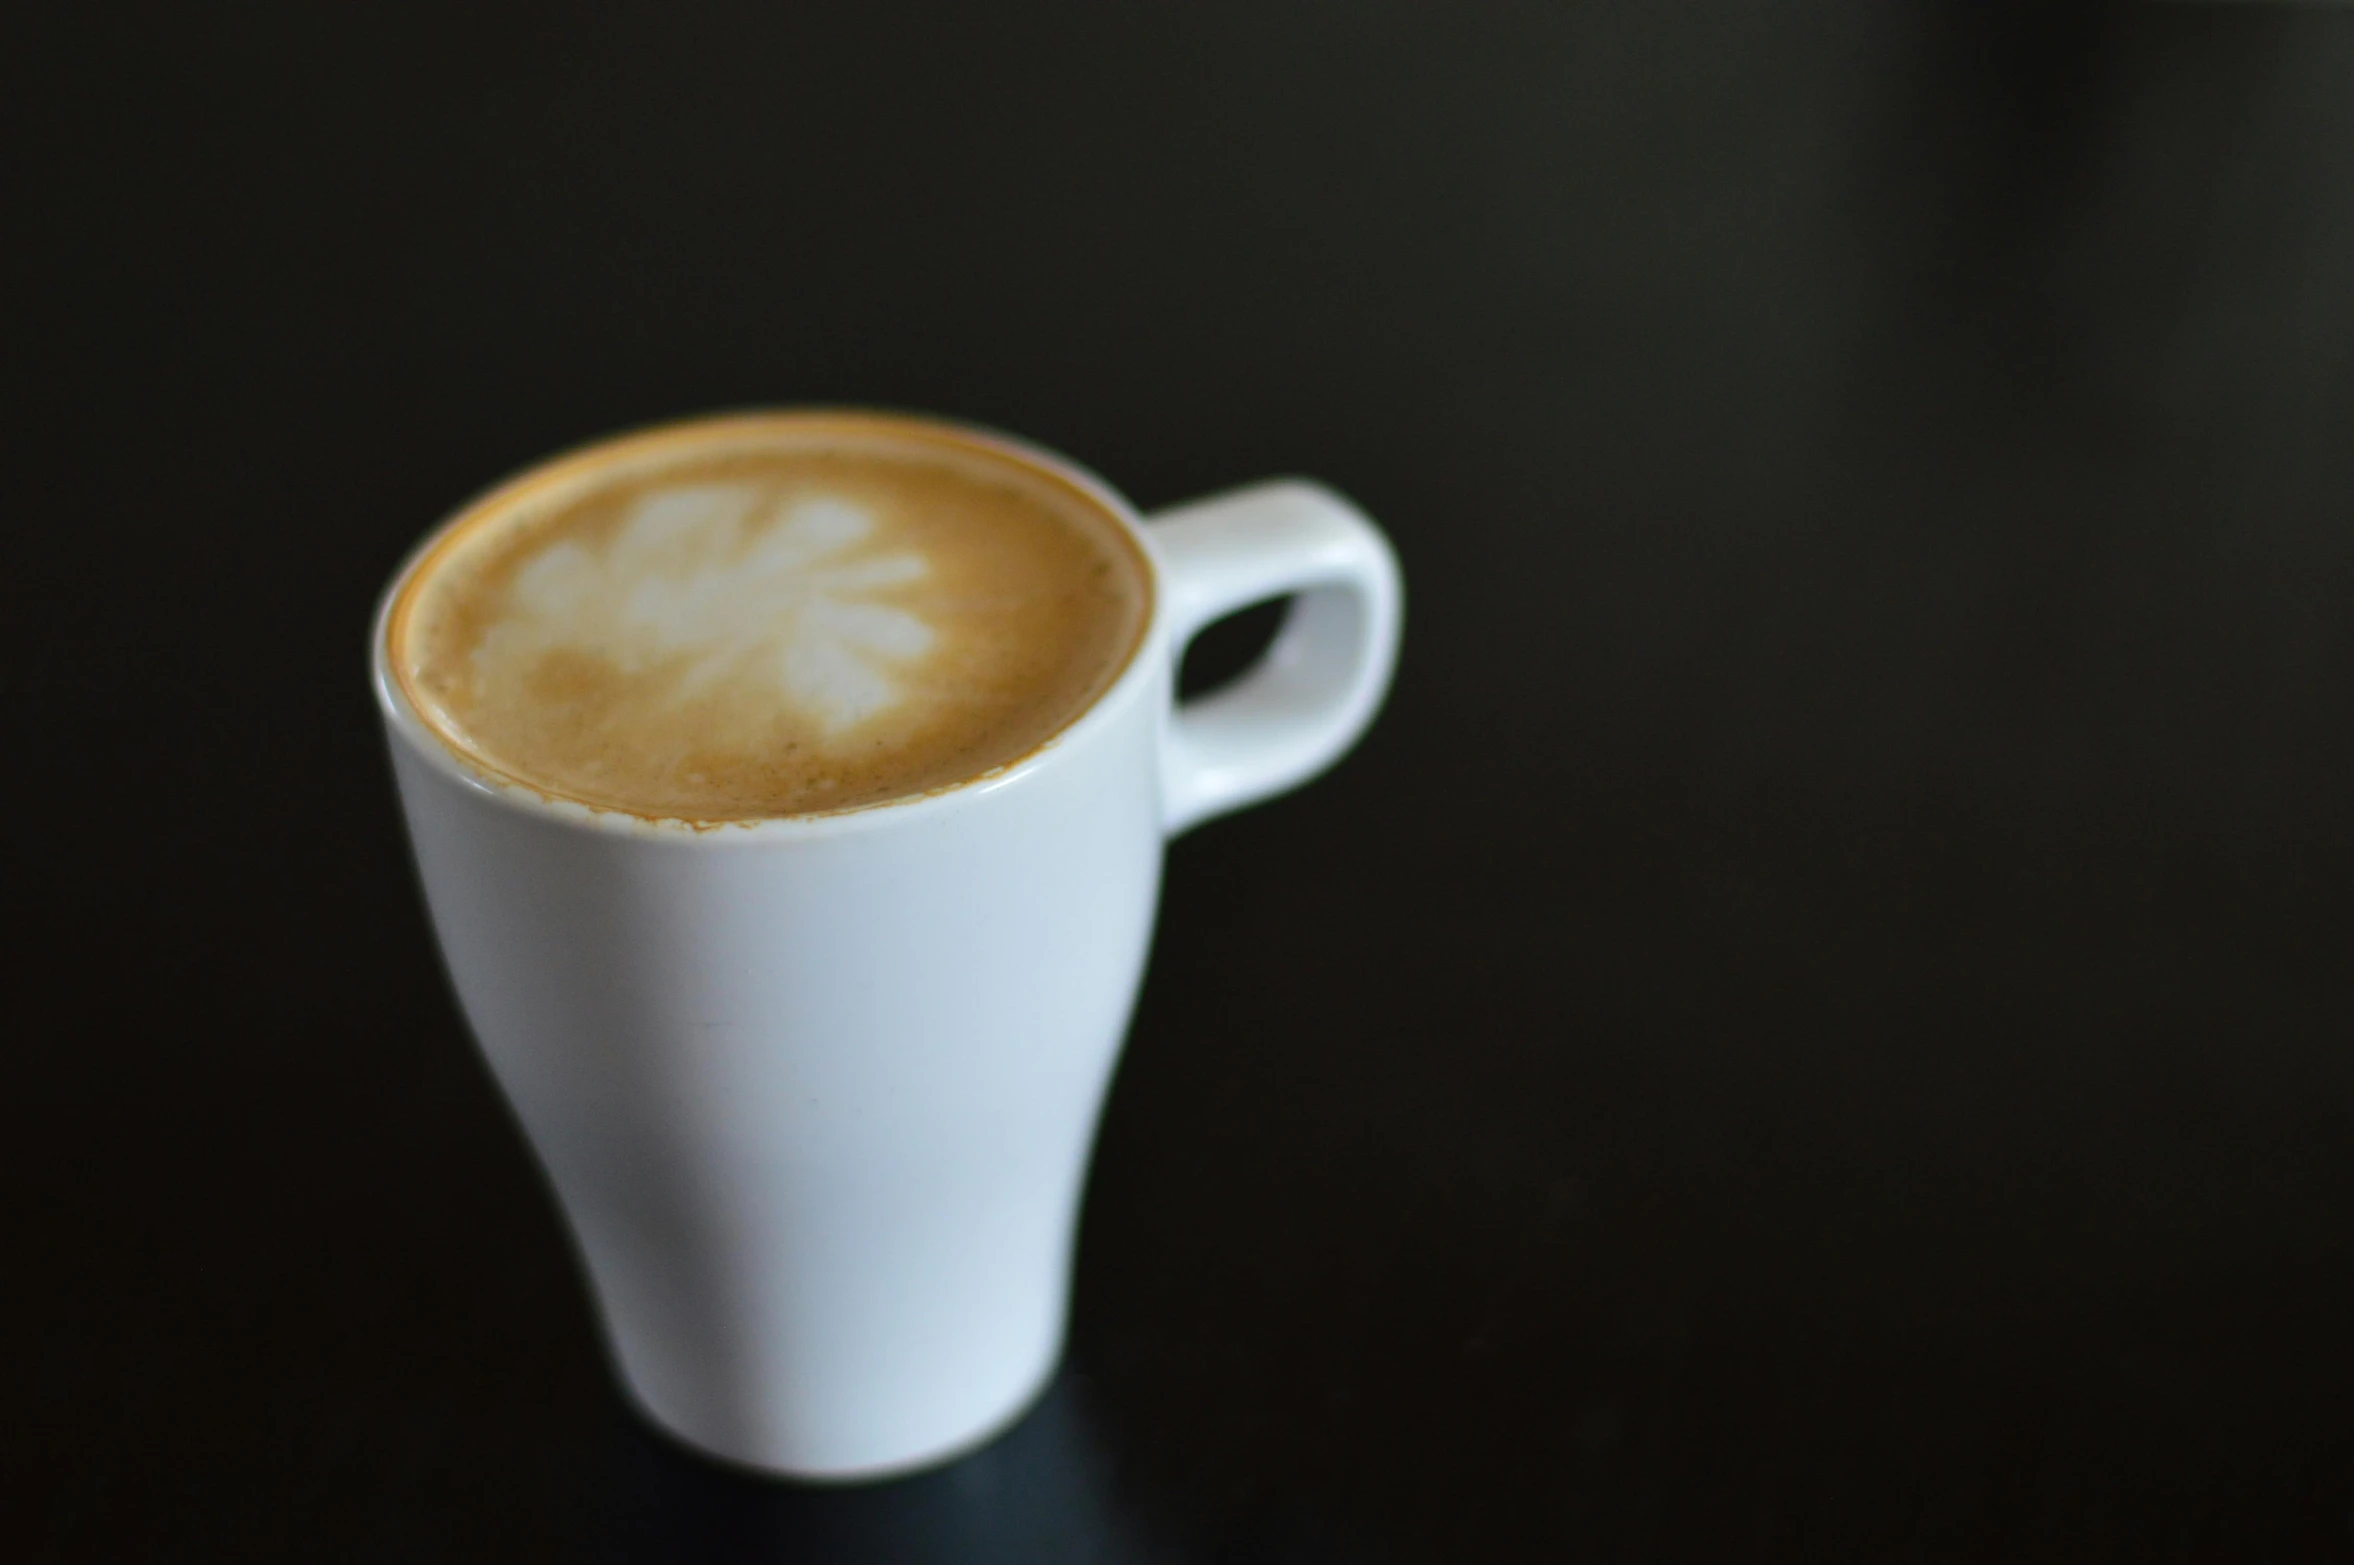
point(816, 1094)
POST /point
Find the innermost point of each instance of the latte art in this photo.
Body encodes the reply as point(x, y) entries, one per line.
point(767, 616)
point(705, 582)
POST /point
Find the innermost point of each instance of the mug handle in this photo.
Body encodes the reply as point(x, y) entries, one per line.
point(1296, 710)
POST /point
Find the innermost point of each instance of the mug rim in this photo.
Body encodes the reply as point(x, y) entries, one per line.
point(406, 723)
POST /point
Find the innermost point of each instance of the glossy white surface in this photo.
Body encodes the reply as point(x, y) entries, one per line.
point(816, 1094)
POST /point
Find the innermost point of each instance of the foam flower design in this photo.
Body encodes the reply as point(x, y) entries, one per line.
point(710, 586)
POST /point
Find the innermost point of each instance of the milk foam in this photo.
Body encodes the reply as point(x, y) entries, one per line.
point(768, 616)
point(720, 588)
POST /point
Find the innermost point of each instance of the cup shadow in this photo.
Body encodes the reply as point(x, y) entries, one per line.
point(1040, 1494)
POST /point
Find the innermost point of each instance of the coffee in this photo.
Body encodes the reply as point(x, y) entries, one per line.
point(769, 615)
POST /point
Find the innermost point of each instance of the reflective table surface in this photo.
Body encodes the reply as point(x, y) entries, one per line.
point(1816, 1028)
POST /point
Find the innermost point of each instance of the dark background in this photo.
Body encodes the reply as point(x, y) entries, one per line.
point(1817, 1027)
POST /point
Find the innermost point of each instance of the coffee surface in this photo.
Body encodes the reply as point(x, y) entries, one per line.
point(768, 616)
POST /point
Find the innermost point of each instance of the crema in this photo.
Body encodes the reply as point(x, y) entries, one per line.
point(768, 615)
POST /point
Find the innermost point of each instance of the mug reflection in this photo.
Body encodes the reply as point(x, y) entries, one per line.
point(1041, 1494)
